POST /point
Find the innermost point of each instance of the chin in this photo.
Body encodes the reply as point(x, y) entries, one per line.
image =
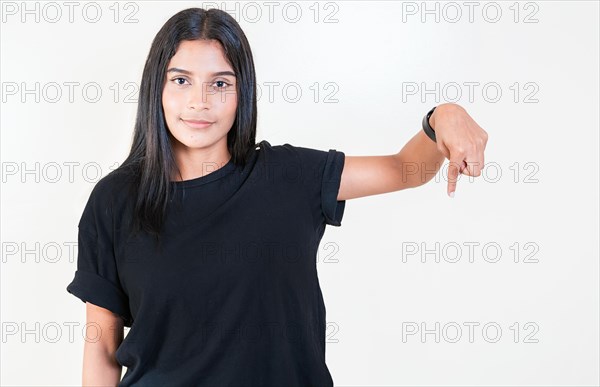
point(198, 144)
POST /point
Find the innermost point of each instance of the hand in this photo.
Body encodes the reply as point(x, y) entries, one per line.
point(460, 140)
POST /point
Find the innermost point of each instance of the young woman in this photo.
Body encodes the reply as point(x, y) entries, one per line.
point(204, 242)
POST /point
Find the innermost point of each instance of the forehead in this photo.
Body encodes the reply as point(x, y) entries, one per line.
point(200, 56)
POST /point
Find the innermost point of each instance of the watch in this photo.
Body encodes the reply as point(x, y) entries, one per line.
point(427, 127)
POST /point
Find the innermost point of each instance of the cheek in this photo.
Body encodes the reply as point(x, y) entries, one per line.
point(231, 104)
point(169, 104)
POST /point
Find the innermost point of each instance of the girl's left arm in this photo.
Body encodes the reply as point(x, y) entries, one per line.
point(459, 139)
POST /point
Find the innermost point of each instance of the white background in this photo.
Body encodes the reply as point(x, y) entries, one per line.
point(538, 194)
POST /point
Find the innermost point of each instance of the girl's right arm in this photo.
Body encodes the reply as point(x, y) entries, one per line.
point(103, 337)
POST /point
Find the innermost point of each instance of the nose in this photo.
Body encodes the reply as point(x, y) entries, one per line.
point(200, 96)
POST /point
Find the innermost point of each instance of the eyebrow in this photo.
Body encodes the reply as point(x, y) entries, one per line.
point(218, 73)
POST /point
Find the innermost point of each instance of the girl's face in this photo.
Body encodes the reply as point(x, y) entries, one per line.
point(200, 86)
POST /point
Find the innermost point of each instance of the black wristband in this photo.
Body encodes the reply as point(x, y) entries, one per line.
point(427, 127)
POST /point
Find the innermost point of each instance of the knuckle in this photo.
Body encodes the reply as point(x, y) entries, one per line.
point(459, 150)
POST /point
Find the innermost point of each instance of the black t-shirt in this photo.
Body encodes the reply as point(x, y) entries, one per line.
point(232, 296)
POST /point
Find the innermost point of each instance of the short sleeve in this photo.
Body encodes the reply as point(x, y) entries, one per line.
point(321, 173)
point(97, 279)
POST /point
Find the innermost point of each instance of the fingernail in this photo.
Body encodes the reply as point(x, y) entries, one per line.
point(452, 194)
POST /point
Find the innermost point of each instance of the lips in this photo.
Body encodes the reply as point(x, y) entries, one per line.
point(198, 121)
point(197, 124)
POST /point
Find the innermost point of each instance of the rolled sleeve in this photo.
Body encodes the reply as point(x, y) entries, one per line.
point(97, 278)
point(98, 291)
point(333, 209)
point(321, 173)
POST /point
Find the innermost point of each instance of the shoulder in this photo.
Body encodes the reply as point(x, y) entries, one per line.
point(114, 185)
point(108, 196)
point(294, 154)
point(309, 161)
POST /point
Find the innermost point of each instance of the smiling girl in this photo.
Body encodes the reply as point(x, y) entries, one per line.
point(204, 242)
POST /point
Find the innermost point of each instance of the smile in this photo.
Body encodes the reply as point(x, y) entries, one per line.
point(197, 124)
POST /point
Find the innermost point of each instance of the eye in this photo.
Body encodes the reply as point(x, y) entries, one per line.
point(177, 78)
point(222, 82)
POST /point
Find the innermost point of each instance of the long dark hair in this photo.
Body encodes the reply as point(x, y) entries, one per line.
point(151, 161)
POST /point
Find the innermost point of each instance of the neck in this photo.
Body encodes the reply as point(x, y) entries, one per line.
point(196, 162)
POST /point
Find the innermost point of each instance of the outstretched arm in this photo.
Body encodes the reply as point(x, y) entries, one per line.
point(459, 139)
